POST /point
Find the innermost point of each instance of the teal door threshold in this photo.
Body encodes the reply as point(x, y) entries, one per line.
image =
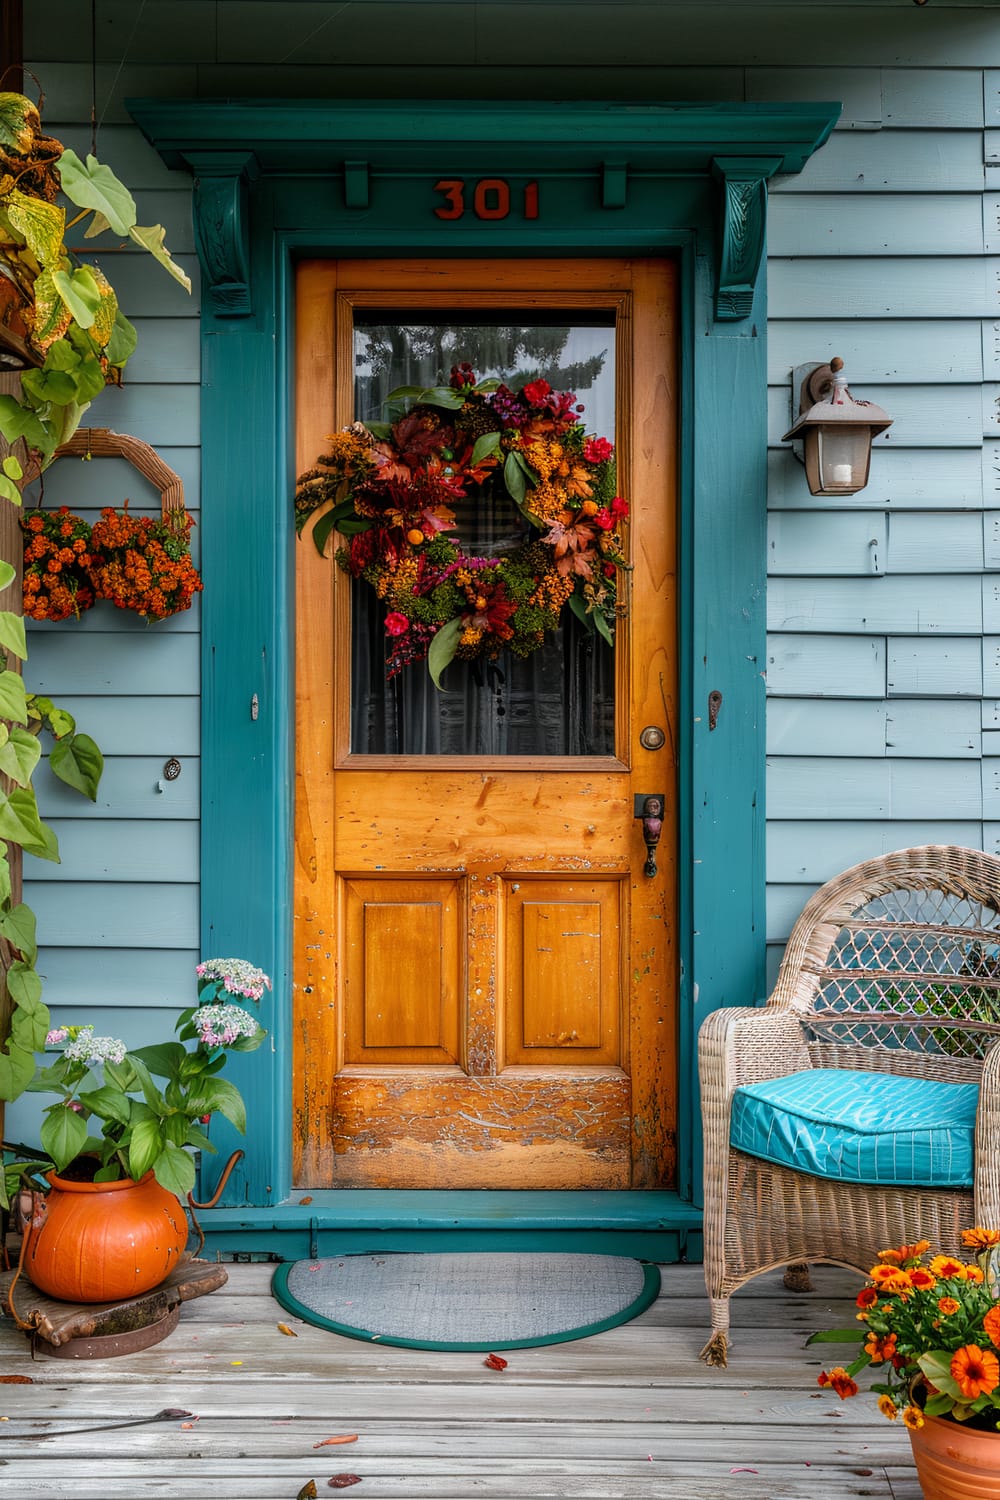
point(651, 1225)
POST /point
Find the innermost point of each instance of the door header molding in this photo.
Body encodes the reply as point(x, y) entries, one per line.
point(368, 147)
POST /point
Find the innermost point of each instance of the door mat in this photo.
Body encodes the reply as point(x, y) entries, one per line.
point(478, 1301)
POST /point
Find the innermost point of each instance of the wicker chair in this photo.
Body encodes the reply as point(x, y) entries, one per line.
point(893, 968)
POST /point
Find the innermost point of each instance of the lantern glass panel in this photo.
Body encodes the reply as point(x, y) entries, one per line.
point(837, 459)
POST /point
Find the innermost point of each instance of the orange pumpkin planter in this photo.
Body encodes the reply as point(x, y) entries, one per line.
point(101, 1241)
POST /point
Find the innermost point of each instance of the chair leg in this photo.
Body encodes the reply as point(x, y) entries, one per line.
point(716, 1351)
point(797, 1278)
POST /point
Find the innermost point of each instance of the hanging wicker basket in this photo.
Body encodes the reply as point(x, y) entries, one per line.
point(101, 442)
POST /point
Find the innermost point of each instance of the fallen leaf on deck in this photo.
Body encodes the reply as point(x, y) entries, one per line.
point(349, 1437)
point(495, 1362)
point(16, 1380)
point(305, 1200)
point(308, 1491)
point(342, 1481)
point(284, 1328)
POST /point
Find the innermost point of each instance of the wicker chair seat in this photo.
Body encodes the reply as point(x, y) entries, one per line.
point(893, 968)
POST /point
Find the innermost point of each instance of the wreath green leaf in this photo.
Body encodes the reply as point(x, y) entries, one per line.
point(442, 650)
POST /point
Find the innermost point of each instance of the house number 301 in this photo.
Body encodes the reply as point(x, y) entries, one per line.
point(490, 198)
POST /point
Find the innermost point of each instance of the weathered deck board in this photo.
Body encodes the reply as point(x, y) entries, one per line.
point(631, 1414)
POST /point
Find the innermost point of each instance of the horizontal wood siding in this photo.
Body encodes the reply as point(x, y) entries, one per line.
point(884, 251)
point(883, 667)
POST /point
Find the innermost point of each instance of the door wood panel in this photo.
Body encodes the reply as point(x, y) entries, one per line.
point(485, 978)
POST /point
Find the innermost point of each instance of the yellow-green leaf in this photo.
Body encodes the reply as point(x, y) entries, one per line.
point(80, 292)
point(107, 310)
point(97, 225)
point(12, 633)
point(19, 755)
point(20, 123)
point(52, 316)
point(40, 224)
point(151, 239)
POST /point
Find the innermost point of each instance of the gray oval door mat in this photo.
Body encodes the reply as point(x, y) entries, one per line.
point(478, 1301)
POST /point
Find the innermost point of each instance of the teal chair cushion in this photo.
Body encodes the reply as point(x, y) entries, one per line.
point(860, 1127)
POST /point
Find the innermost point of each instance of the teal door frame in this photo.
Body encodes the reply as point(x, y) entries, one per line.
point(277, 180)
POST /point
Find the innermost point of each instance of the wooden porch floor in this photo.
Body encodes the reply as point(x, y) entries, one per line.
point(627, 1415)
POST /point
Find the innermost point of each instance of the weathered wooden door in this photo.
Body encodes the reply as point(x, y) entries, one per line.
point(485, 976)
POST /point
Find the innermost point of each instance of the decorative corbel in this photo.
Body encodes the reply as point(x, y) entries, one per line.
point(222, 227)
point(742, 225)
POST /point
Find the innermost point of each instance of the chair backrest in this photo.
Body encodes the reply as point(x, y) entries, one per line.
point(895, 964)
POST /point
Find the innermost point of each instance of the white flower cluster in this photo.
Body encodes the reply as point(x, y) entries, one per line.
point(88, 1048)
point(219, 1025)
point(236, 975)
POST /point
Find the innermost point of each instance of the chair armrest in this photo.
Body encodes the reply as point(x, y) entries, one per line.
point(743, 1044)
point(986, 1188)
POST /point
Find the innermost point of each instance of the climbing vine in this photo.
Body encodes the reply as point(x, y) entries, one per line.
point(62, 329)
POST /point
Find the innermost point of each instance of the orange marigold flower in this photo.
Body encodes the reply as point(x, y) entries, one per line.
point(888, 1408)
point(948, 1306)
point(980, 1239)
point(946, 1268)
point(921, 1280)
point(902, 1253)
point(880, 1347)
point(991, 1324)
point(838, 1380)
point(975, 1275)
point(890, 1279)
point(913, 1417)
point(867, 1297)
point(975, 1371)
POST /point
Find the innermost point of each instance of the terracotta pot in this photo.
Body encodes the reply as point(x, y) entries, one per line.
point(955, 1462)
point(101, 1241)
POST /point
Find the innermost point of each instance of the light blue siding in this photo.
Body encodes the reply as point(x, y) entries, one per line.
point(816, 851)
point(886, 351)
point(905, 605)
point(811, 666)
point(894, 288)
point(825, 543)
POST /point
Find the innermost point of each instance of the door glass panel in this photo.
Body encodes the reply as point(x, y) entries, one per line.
point(559, 700)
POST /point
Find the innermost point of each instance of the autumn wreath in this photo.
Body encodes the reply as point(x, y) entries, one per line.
point(390, 489)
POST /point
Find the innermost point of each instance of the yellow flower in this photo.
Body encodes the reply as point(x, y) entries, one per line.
point(913, 1417)
point(888, 1408)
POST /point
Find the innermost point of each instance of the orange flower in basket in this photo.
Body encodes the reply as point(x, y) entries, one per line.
point(56, 560)
point(144, 564)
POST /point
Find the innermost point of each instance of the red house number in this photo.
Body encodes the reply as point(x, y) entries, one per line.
point(490, 198)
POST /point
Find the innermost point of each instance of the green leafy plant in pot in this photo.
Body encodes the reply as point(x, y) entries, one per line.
point(129, 1119)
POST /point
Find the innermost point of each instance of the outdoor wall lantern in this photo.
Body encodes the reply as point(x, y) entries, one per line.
point(835, 430)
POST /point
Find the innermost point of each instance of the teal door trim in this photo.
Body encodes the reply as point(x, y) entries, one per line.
point(275, 181)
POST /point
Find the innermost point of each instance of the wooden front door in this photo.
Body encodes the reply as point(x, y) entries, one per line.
point(485, 977)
